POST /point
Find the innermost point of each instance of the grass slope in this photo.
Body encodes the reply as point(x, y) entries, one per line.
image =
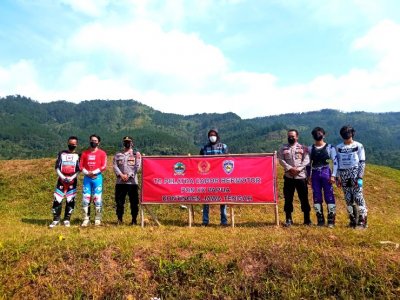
point(255, 260)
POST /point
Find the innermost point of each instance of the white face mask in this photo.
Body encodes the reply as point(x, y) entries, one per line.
point(213, 139)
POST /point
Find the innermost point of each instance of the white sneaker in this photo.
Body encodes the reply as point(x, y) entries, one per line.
point(67, 223)
point(54, 224)
point(97, 222)
point(85, 223)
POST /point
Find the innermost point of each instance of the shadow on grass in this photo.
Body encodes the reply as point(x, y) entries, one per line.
point(40, 222)
point(185, 223)
point(47, 221)
point(254, 224)
point(170, 222)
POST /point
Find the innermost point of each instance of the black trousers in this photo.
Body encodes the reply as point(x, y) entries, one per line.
point(300, 185)
point(120, 194)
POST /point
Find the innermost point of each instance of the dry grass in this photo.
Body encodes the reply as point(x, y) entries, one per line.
point(255, 260)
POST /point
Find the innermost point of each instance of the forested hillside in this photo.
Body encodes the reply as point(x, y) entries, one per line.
point(29, 129)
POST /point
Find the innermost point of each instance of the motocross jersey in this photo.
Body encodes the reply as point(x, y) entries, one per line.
point(93, 161)
point(67, 163)
point(350, 156)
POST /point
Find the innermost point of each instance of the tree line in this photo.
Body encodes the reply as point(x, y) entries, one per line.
point(29, 129)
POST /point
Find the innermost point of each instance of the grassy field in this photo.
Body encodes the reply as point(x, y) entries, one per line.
point(255, 260)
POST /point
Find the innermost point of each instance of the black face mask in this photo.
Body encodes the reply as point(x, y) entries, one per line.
point(318, 136)
point(127, 144)
point(346, 135)
point(291, 140)
point(93, 144)
point(71, 147)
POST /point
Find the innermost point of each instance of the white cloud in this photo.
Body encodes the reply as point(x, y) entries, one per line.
point(383, 41)
point(19, 78)
point(175, 71)
point(143, 47)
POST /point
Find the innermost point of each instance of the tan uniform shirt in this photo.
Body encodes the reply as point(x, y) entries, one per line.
point(295, 156)
point(127, 163)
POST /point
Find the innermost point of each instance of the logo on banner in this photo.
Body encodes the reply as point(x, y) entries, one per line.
point(203, 167)
point(228, 166)
point(179, 168)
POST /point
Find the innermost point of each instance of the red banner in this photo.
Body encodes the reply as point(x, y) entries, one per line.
point(232, 179)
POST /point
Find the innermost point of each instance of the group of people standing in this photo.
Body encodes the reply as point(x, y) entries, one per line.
point(302, 165)
point(92, 163)
point(311, 165)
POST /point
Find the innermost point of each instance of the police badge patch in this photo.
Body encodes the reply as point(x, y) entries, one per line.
point(228, 166)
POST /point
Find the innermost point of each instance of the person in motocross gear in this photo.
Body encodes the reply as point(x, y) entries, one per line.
point(92, 164)
point(351, 168)
point(67, 168)
point(321, 177)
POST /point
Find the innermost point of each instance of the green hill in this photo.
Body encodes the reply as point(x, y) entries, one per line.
point(254, 260)
point(29, 129)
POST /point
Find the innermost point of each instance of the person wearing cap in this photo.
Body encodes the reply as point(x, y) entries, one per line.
point(214, 147)
point(294, 158)
point(127, 164)
point(351, 161)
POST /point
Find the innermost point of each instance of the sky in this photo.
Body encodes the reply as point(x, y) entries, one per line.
point(251, 57)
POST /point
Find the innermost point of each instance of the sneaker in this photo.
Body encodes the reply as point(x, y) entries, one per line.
point(97, 222)
point(134, 222)
point(288, 223)
point(85, 223)
point(331, 225)
point(67, 223)
point(54, 224)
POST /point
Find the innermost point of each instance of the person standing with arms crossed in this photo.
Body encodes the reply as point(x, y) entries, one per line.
point(214, 147)
point(294, 158)
point(127, 164)
point(93, 163)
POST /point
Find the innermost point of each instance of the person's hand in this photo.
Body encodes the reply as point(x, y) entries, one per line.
point(124, 177)
point(67, 180)
point(309, 180)
point(294, 172)
point(91, 175)
point(339, 182)
point(332, 180)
